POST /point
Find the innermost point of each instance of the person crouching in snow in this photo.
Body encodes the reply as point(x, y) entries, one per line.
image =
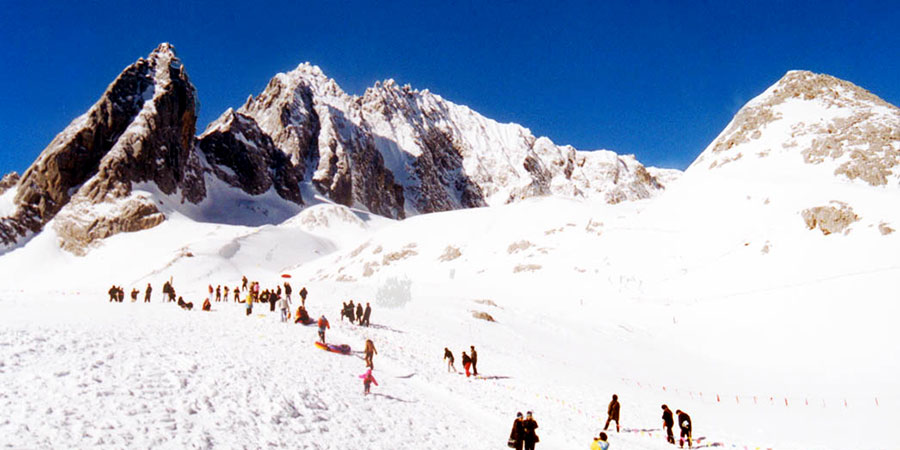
point(368, 379)
point(600, 442)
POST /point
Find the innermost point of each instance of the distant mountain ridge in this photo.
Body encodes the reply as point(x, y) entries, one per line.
point(394, 151)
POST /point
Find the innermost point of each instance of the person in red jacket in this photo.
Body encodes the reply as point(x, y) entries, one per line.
point(323, 324)
point(467, 362)
point(368, 379)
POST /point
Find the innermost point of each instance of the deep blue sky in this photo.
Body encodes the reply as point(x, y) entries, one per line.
point(655, 79)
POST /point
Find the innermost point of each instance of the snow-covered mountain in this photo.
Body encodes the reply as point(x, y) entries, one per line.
point(756, 293)
point(394, 151)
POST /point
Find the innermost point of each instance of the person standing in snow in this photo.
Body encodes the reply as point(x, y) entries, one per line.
point(600, 442)
point(474, 361)
point(303, 293)
point(529, 435)
point(237, 295)
point(113, 294)
point(684, 422)
point(370, 351)
point(668, 422)
point(287, 290)
point(323, 324)
point(368, 379)
point(517, 434)
point(351, 310)
point(249, 304)
point(218, 293)
point(285, 308)
point(225, 295)
point(366, 314)
point(121, 293)
point(147, 293)
point(244, 282)
point(448, 355)
point(467, 362)
point(134, 294)
point(612, 413)
point(359, 313)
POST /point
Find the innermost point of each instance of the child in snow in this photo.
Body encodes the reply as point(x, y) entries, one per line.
point(600, 442)
point(207, 306)
point(467, 362)
point(368, 379)
point(285, 308)
point(323, 324)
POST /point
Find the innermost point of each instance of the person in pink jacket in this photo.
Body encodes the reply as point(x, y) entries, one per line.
point(368, 379)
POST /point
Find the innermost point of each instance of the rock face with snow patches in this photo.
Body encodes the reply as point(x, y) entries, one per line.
point(819, 120)
point(398, 151)
point(240, 154)
point(141, 130)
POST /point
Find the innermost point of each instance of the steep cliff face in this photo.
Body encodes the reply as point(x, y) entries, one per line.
point(240, 154)
point(398, 151)
point(141, 130)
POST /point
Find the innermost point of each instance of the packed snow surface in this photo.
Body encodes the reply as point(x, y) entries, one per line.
point(772, 336)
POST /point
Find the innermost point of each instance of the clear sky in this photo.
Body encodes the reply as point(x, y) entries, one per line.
point(656, 79)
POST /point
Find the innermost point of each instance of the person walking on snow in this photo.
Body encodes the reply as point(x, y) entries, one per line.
point(323, 324)
point(244, 281)
point(237, 294)
point(147, 293)
point(368, 379)
point(249, 304)
point(359, 313)
point(517, 434)
point(668, 422)
point(612, 413)
point(285, 308)
point(218, 293)
point(303, 293)
point(600, 442)
point(684, 422)
point(467, 362)
point(287, 290)
point(370, 351)
point(530, 436)
point(366, 314)
point(474, 361)
point(448, 355)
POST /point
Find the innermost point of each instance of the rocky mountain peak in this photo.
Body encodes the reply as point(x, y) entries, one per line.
point(814, 119)
point(9, 180)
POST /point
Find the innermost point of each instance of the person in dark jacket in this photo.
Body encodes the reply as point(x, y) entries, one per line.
point(207, 306)
point(359, 313)
point(288, 290)
point(529, 435)
point(237, 294)
point(668, 422)
point(113, 294)
point(474, 361)
point(366, 314)
point(134, 294)
point(218, 293)
point(303, 293)
point(684, 422)
point(351, 311)
point(370, 350)
point(244, 283)
point(612, 413)
point(467, 363)
point(147, 293)
point(121, 293)
point(448, 355)
point(517, 435)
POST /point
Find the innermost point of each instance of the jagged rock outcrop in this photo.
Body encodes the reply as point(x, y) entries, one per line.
point(240, 154)
point(140, 131)
point(834, 218)
point(396, 150)
point(9, 180)
point(814, 119)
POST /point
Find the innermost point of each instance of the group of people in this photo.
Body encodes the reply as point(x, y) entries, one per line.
point(523, 435)
point(684, 423)
point(356, 313)
point(469, 361)
point(117, 294)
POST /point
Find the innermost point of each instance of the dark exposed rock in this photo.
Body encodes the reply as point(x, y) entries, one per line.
point(243, 156)
point(9, 180)
point(140, 131)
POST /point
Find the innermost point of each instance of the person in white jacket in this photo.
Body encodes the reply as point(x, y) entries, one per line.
point(285, 304)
